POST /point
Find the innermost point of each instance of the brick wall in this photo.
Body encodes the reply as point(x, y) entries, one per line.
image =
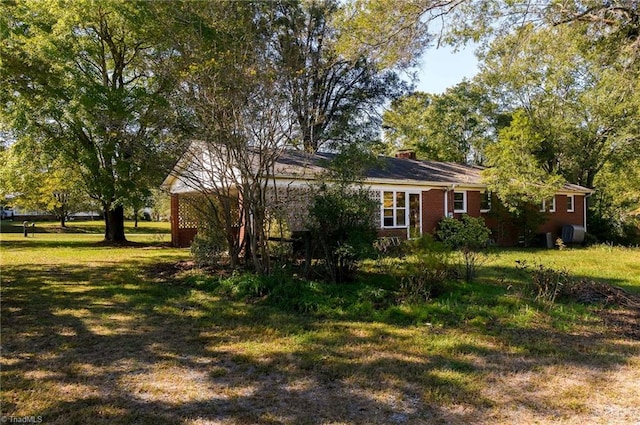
point(562, 217)
point(432, 209)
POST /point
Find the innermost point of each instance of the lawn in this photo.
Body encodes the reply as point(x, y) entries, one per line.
point(88, 226)
point(94, 334)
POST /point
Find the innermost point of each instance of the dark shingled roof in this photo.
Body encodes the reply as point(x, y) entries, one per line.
point(297, 164)
point(304, 165)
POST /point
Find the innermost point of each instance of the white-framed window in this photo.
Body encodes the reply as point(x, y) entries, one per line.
point(394, 209)
point(549, 205)
point(460, 202)
point(485, 201)
point(571, 203)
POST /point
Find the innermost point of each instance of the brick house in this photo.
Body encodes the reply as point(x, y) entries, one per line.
point(413, 196)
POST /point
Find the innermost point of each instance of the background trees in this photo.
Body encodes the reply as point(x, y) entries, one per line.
point(454, 126)
point(86, 81)
point(40, 183)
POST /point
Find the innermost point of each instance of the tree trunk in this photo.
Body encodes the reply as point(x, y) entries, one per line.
point(114, 224)
point(62, 220)
point(135, 218)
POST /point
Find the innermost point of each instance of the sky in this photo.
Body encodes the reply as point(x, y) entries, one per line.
point(442, 68)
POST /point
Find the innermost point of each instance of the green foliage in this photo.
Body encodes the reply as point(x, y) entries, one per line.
point(245, 286)
point(87, 82)
point(426, 270)
point(516, 174)
point(466, 233)
point(470, 236)
point(42, 182)
point(454, 126)
point(341, 222)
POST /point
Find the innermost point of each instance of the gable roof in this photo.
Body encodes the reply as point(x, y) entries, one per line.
point(299, 165)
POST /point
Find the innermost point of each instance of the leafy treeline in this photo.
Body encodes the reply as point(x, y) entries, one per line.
point(556, 100)
point(112, 91)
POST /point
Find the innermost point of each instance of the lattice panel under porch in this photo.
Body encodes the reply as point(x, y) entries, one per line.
point(187, 214)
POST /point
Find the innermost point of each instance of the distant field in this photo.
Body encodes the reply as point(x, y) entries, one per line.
point(122, 335)
point(89, 226)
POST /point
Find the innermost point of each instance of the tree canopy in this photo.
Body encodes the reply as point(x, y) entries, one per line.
point(86, 80)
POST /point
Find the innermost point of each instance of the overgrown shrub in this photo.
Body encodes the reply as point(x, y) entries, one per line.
point(341, 223)
point(546, 282)
point(470, 236)
point(426, 270)
point(209, 247)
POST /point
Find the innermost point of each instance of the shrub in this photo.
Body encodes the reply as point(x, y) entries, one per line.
point(425, 275)
point(546, 282)
point(341, 222)
point(209, 247)
point(470, 236)
point(244, 286)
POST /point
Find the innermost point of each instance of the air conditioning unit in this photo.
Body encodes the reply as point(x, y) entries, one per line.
point(572, 233)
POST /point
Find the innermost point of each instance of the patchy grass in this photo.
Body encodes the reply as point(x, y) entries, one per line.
point(121, 335)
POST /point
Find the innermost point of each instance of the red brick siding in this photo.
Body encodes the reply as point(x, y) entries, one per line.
point(432, 209)
point(562, 217)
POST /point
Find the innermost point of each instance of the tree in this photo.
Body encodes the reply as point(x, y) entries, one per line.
point(241, 118)
point(515, 171)
point(41, 183)
point(581, 104)
point(88, 82)
point(334, 97)
point(454, 126)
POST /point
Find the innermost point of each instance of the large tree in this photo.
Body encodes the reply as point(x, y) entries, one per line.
point(581, 102)
point(87, 80)
point(453, 126)
point(240, 118)
point(334, 97)
point(38, 182)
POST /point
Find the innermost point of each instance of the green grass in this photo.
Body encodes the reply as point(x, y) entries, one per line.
point(121, 335)
point(89, 226)
point(617, 266)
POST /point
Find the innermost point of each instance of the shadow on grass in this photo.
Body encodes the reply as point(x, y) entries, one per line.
point(96, 242)
point(119, 343)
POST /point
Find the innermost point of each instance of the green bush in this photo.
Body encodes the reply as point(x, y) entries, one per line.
point(470, 236)
point(426, 271)
point(244, 286)
point(341, 223)
point(209, 247)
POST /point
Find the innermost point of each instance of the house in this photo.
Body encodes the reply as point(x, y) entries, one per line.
point(413, 196)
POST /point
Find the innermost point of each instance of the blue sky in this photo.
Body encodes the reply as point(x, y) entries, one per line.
point(442, 68)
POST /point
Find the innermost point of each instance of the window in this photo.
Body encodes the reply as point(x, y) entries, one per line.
point(485, 201)
point(549, 205)
point(570, 203)
point(394, 209)
point(460, 202)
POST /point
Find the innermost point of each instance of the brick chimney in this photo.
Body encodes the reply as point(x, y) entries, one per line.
point(406, 154)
